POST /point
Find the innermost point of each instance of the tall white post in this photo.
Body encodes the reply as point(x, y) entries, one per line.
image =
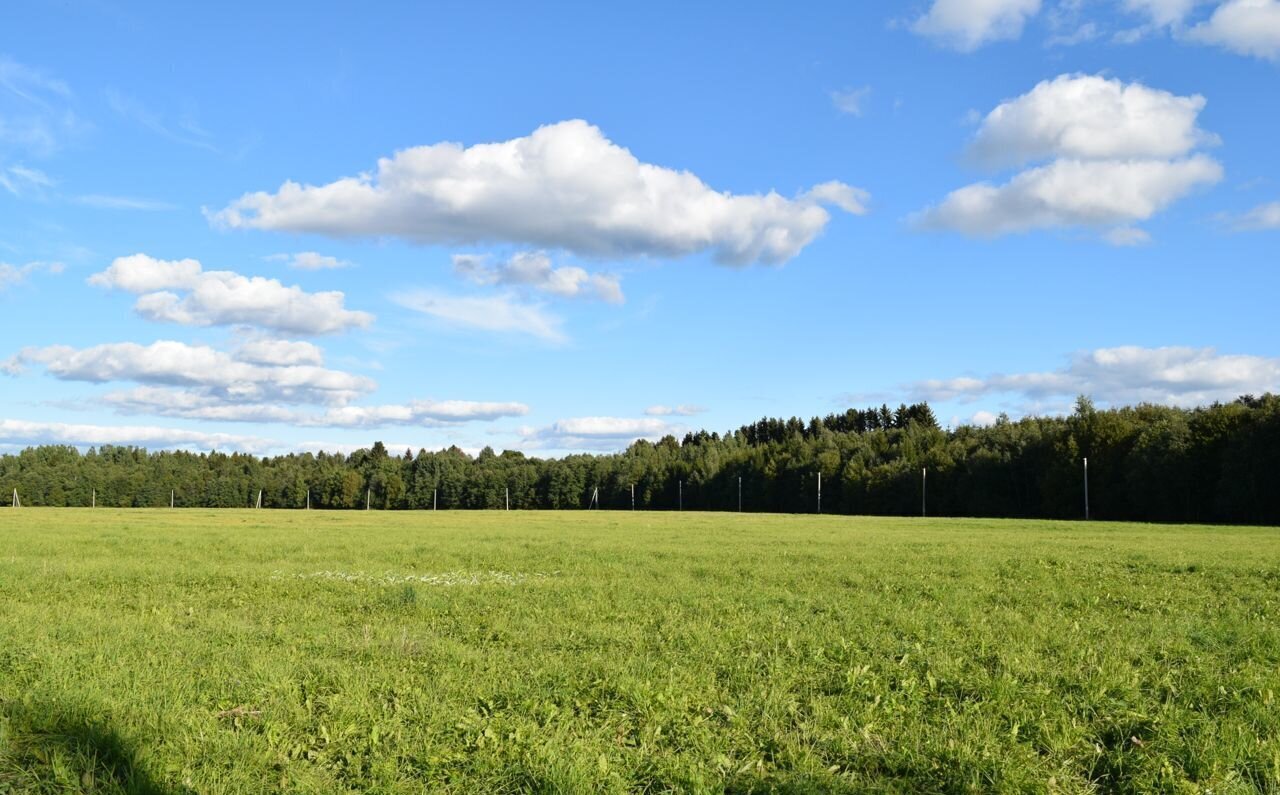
point(680, 504)
point(633, 496)
point(739, 493)
point(308, 499)
point(94, 499)
point(368, 497)
point(1086, 489)
point(924, 491)
point(259, 498)
point(433, 499)
point(507, 496)
point(171, 499)
point(819, 492)
point(15, 498)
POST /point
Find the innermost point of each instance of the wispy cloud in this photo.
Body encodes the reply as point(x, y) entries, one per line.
point(850, 100)
point(25, 182)
point(683, 410)
point(310, 261)
point(108, 202)
point(1263, 217)
point(534, 270)
point(37, 117)
point(187, 133)
point(13, 275)
point(504, 314)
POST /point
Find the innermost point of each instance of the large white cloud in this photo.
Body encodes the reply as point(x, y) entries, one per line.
point(565, 186)
point(1173, 375)
point(1090, 117)
point(1116, 154)
point(503, 314)
point(218, 374)
point(1248, 27)
point(535, 270)
point(1072, 193)
point(222, 298)
point(36, 433)
point(966, 25)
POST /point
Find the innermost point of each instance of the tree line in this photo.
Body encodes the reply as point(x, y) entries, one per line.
point(1219, 463)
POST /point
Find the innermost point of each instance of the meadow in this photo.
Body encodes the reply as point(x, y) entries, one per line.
point(236, 651)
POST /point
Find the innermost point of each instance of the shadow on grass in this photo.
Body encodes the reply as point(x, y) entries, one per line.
point(47, 748)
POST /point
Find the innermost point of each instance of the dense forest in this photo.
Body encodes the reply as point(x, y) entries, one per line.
point(1219, 463)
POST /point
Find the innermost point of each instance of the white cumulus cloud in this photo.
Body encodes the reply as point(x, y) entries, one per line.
point(216, 373)
point(1110, 155)
point(535, 270)
point(1072, 193)
point(966, 25)
point(1089, 117)
point(1247, 27)
point(565, 186)
point(224, 298)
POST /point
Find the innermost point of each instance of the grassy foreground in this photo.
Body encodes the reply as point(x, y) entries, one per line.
point(227, 651)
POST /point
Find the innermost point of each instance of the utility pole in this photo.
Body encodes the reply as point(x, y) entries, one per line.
point(819, 492)
point(1086, 489)
point(924, 491)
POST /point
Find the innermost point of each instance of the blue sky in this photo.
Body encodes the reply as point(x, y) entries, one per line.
point(557, 229)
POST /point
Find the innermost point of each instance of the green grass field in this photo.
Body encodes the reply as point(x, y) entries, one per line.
point(160, 651)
